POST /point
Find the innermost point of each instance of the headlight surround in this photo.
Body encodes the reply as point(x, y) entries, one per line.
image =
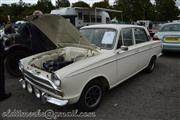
point(21, 67)
point(55, 79)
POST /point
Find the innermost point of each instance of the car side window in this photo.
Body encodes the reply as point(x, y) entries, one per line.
point(127, 38)
point(140, 35)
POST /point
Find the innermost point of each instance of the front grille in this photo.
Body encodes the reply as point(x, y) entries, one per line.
point(40, 83)
point(29, 75)
point(41, 88)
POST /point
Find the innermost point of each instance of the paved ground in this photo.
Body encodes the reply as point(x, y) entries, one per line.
point(154, 96)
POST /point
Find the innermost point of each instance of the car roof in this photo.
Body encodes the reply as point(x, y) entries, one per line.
point(171, 23)
point(115, 26)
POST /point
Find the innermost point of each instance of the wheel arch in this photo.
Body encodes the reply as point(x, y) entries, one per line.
point(100, 79)
point(152, 56)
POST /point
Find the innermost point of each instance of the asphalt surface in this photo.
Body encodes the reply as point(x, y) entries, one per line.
point(154, 96)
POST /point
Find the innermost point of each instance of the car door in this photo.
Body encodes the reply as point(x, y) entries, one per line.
point(143, 47)
point(127, 61)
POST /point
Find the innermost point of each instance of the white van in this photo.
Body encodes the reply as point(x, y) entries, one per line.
point(79, 16)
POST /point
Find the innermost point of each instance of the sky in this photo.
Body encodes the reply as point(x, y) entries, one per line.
point(72, 1)
point(53, 1)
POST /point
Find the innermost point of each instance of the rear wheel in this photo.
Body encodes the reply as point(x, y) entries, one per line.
point(150, 68)
point(12, 60)
point(91, 97)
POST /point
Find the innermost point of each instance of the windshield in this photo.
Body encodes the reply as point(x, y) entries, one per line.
point(171, 27)
point(100, 37)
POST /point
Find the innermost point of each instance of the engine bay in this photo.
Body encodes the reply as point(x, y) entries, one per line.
point(53, 65)
point(57, 59)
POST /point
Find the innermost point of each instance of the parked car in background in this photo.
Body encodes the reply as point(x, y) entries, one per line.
point(169, 35)
point(27, 40)
point(151, 26)
point(145, 23)
point(85, 65)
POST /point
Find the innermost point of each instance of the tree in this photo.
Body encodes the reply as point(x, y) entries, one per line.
point(62, 3)
point(166, 10)
point(16, 11)
point(148, 10)
point(28, 10)
point(135, 9)
point(80, 4)
point(102, 4)
point(44, 5)
point(142, 10)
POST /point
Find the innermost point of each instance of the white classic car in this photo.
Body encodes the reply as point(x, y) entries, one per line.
point(87, 63)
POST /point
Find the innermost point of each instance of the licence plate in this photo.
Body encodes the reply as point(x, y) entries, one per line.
point(172, 39)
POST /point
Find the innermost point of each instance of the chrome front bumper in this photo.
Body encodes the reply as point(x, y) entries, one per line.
point(53, 100)
point(45, 95)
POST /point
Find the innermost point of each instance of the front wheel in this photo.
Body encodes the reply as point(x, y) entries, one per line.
point(91, 97)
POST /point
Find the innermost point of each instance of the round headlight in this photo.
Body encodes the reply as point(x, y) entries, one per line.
point(55, 80)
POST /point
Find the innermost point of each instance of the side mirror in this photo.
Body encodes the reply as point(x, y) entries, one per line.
point(125, 48)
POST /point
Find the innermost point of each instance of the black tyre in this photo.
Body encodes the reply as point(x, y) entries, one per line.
point(91, 97)
point(12, 60)
point(150, 68)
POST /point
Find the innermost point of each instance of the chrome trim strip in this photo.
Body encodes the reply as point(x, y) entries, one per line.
point(116, 60)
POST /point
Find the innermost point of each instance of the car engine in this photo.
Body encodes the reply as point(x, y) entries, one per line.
point(53, 65)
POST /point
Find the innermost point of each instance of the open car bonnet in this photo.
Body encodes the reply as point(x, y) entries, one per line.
point(60, 31)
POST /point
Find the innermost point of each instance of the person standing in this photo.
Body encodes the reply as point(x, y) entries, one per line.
point(3, 94)
point(8, 28)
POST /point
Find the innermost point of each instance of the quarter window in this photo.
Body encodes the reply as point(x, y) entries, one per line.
point(140, 35)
